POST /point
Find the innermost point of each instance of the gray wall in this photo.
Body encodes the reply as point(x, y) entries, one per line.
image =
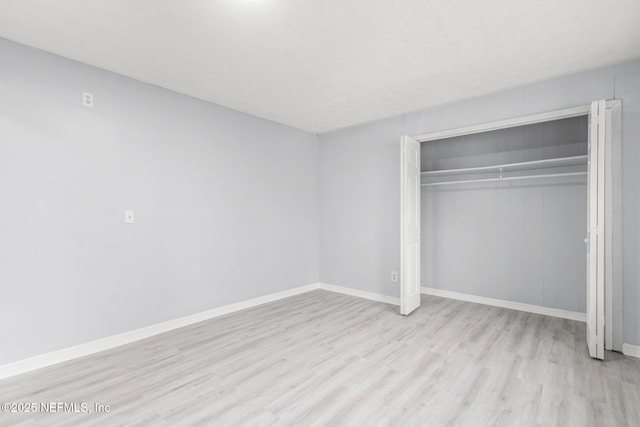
point(520, 240)
point(226, 205)
point(360, 167)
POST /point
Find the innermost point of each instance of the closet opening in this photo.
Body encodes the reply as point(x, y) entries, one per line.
point(523, 213)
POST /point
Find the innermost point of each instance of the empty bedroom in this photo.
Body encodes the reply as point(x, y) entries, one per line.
point(336, 213)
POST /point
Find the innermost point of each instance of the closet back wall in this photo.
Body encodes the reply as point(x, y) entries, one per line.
point(520, 240)
point(225, 205)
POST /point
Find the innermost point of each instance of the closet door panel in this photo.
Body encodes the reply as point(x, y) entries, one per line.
point(410, 195)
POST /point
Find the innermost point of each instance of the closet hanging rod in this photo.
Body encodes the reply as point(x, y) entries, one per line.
point(546, 163)
point(509, 178)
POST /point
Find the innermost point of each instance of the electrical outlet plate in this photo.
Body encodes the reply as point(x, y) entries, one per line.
point(87, 99)
point(394, 276)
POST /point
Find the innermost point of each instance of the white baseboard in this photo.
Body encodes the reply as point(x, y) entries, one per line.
point(110, 342)
point(361, 294)
point(102, 344)
point(631, 350)
point(70, 353)
point(530, 308)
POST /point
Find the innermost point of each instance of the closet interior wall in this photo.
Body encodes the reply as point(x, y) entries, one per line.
point(515, 240)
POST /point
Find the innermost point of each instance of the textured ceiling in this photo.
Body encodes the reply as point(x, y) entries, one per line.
point(323, 65)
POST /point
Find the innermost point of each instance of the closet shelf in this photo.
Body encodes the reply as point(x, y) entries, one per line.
point(508, 178)
point(508, 167)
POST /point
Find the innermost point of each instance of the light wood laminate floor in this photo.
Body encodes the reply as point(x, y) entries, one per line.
point(323, 358)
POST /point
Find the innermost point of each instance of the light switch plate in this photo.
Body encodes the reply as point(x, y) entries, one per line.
point(129, 217)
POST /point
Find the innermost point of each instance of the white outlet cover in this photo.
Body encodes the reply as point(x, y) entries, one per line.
point(129, 217)
point(87, 99)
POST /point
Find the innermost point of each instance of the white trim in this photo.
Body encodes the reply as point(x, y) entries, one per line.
point(608, 235)
point(601, 234)
point(566, 113)
point(530, 308)
point(65, 354)
point(631, 350)
point(614, 234)
point(361, 294)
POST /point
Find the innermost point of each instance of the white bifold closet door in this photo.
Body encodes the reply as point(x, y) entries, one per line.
point(595, 230)
point(410, 233)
